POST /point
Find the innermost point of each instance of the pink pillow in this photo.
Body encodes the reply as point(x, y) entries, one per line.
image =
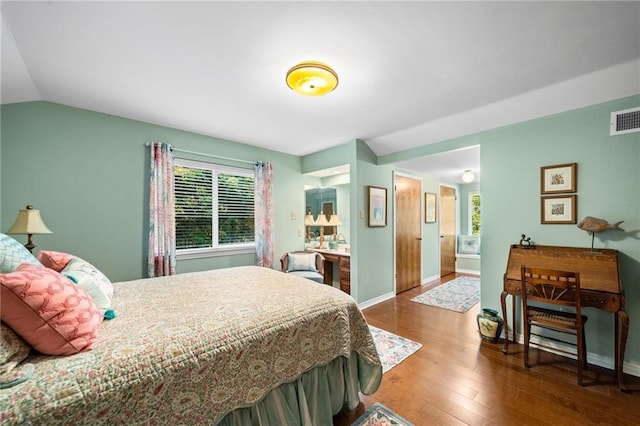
point(53, 315)
point(54, 259)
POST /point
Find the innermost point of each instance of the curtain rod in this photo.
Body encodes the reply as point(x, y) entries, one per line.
point(184, 151)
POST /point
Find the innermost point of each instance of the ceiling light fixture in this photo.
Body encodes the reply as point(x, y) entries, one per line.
point(312, 78)
point(468, 176)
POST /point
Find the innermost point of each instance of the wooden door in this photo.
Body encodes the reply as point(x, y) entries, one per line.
point(408, 233)
point(447, 230)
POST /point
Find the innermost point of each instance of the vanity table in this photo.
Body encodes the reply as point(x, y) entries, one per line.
point(343, 260)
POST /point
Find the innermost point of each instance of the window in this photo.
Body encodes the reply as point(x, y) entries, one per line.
point(474, 213)
point(214, 209)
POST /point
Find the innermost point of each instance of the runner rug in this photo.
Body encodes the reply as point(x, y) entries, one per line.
point(379, 415)
point(457, 295)
point(392, 349)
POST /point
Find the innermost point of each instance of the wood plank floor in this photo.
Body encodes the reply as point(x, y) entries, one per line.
point(457, 379)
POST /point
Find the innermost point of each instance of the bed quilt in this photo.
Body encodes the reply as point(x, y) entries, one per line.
point(189, 348)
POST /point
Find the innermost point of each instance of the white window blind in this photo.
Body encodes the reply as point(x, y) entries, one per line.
point(214, 207)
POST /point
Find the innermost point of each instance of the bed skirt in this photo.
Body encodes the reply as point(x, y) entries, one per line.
point(311, 400)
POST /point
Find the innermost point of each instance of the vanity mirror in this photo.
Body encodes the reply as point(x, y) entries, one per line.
point(327, 203)
point(321, 201)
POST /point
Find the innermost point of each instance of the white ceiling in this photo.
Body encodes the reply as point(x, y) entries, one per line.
point(411, 73)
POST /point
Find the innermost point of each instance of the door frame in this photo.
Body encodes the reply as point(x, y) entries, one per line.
point(455, 247)
point(395, 218)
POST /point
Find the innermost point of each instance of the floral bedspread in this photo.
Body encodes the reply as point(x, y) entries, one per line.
point(189, 348)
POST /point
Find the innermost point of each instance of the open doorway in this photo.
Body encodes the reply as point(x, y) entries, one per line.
point(445, 170)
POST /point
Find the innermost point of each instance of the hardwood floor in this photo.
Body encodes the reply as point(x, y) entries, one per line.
point(457, 379)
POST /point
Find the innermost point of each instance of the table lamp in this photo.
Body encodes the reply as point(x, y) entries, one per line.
point(334, 221)
point(309, 222)
point(28, 223)
point(322, 222)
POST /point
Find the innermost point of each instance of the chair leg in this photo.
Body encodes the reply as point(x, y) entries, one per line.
point(585, 364)
point(581, 355)
point(527, 333)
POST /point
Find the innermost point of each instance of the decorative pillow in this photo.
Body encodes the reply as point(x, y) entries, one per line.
point(12, 254)
point(302, 262)
point(53, 315)
point(468, 244)
point(13, 350)
point(92, 280)
point(54, 259)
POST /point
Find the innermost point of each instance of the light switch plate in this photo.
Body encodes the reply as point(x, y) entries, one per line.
point(293, 215)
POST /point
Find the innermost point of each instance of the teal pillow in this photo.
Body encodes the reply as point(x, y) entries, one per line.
point(12, 254)
point(302, 262)
point(468, 244)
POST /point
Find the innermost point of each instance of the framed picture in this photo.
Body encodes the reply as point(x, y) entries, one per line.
point(377, 206)
point(558, 209)
point(430, 207)
point(558, 179)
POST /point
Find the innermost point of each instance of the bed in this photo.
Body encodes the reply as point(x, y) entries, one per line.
point(236, 346)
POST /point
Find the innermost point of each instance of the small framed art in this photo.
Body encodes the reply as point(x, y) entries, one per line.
point(430, 207)
point(377, 206)
point(559, 179)
point(558, 209)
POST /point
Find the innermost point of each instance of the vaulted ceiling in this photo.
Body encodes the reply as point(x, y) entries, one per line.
point(410, 73)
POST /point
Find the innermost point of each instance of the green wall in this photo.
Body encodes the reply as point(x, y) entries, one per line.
point(88, 174)
point(374, 260)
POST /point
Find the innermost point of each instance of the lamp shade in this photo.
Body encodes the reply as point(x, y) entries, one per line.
point(312, 78)
point(322, 220)
point(468, 176)
point(308, 220)
point(334, 220)
point(29, 222)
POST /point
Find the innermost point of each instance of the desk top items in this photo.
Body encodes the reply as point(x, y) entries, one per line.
point(595, 225)
point(525, 242)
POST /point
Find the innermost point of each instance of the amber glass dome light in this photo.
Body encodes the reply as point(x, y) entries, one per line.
point(312, 78)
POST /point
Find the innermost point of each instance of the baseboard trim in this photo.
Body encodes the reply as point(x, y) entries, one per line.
point(468, 271)
point(431, 278)
point(376, 300)
point(595, 359)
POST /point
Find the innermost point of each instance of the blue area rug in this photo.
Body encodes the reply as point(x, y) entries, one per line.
point(392, 349)
point(458, 295)
point(379, 415)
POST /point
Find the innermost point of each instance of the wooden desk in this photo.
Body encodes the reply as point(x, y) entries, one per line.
point(599, 281)
point(343, 259)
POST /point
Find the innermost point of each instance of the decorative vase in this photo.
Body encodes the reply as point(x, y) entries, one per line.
point(489, 325)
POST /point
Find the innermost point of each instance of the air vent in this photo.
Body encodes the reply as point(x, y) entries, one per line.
point(625, 121)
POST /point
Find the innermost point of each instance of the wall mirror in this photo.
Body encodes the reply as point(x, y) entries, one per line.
point(326, 193)
point(321, 200)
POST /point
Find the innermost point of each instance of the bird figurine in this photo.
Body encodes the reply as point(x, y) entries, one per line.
point(595, 225)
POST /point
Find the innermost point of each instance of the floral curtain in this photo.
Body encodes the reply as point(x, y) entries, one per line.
point(162, 229)
point(263, 198)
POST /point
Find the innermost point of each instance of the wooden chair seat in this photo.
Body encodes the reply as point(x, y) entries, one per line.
point(551, 318)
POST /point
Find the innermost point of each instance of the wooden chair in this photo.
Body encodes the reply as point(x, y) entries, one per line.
point(558, 288)
point(309, 273)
